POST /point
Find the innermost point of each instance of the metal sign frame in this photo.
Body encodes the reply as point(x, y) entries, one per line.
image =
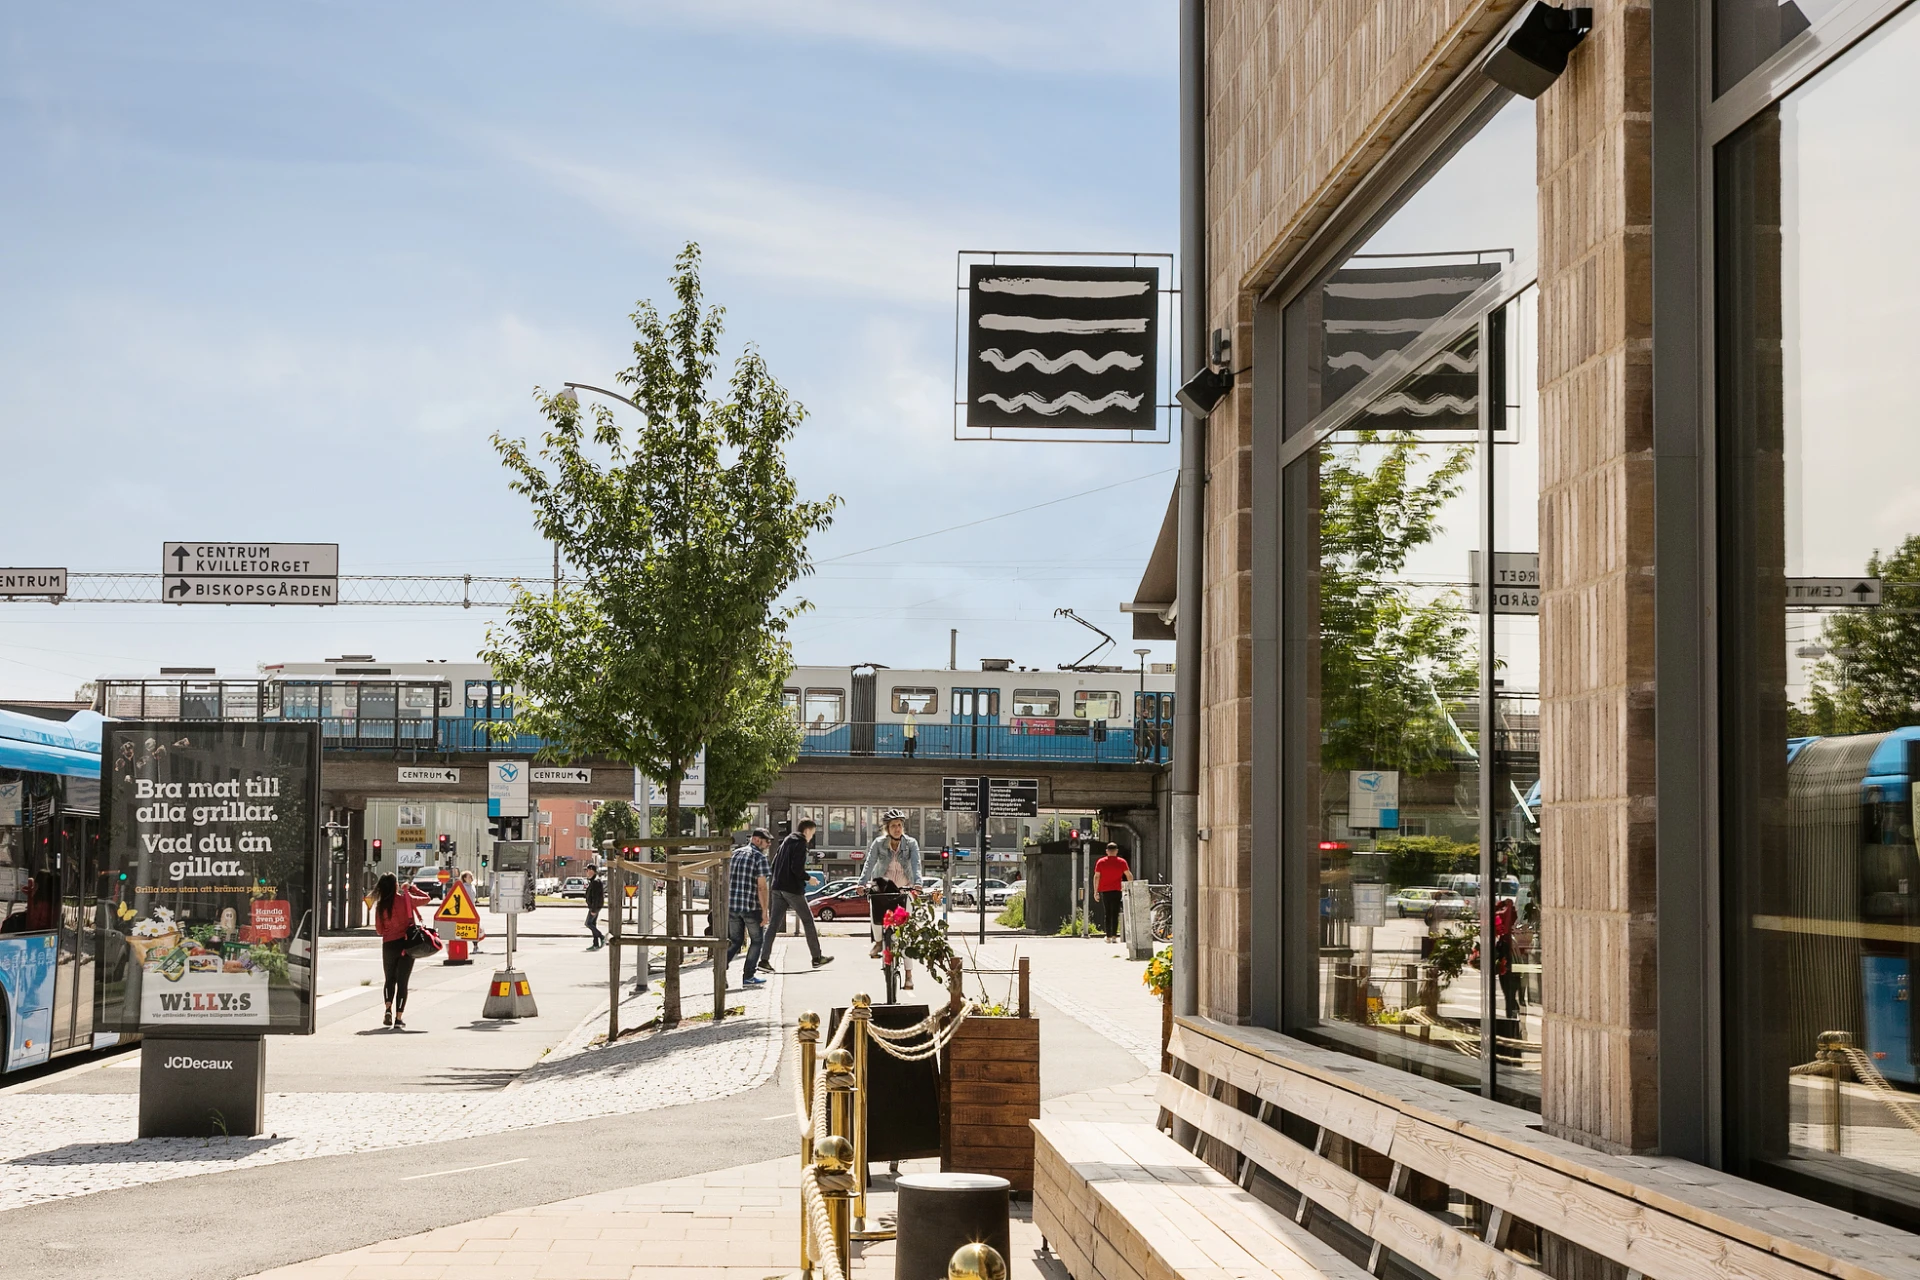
point(1166, 410)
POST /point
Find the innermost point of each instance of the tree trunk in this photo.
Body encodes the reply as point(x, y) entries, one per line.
point(676, 916)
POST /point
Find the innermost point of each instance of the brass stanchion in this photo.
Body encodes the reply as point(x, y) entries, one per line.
point(976, 1262)
point(840, 1091)
point(862, 1015)
point(830, 1161)
point(809, 1047)
point(1833, 1052)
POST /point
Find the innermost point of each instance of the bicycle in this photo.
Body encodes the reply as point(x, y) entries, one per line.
point(1160, 914)
point(878, 905)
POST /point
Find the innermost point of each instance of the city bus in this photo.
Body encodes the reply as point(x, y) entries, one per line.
point(50, 888)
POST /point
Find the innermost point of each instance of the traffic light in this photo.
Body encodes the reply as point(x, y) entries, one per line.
point(376, 848)
point(503, 828)
point(446, 845)
point(483, 862)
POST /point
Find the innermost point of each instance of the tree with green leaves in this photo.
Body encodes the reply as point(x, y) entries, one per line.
point(685, 530)
point(1389, 662)
point(754, 743)
point(1869, 680)
point(614, 820)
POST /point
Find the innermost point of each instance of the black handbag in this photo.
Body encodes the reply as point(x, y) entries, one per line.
point(421, 943)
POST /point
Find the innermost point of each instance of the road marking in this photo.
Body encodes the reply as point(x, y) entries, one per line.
point(784, 1115)
point(414, 1177)
point(335, 997)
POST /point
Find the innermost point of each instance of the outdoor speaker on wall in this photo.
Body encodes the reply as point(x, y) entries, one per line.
point(1533, 53)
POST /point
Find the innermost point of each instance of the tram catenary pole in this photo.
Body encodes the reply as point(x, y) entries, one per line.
point(986, 843)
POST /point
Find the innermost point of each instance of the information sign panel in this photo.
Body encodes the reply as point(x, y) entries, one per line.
point(1013, 797)
point(1373, 799)
point(428, 776)
point(693, 787)
point(564, 777)
point(509, 891)
point(33, 582)
point(250, 573)
point(507, 788)
point(213, 848)
point(960, 794)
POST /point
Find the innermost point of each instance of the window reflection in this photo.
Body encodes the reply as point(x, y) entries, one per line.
point(1819, 296)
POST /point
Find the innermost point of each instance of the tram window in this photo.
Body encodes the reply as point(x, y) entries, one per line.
point(790, 700)
point(915, 701)
point(240, 700)
point(418, 697)
point(1044, 703)
point(301, 700)
point(478, 692)
point(825, 708)
point(1096, 704)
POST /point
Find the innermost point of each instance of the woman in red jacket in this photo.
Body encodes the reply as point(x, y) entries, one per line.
point(392, 917)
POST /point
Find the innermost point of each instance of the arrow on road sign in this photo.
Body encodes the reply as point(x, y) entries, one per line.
point(180, 559)
point(179, 588)
point(1861, 591)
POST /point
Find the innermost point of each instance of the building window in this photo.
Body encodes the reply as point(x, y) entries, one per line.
point(1091, 704)
point(1818, 301)
point(583, 843)
point(825, 708)
point(546, 817)
point(1395, 460)
point(1038, 703)
point(914, 701)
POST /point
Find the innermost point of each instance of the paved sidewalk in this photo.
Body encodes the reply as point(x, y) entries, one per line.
point(741, 1223)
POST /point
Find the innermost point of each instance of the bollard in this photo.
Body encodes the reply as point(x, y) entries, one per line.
point(1833, 1051)
point(840, 1091)
point(809, 1047)
point(977, 1262)
point(832, 1157)
point(861, 1015)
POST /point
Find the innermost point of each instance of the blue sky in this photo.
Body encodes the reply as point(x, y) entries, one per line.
point(278, 272)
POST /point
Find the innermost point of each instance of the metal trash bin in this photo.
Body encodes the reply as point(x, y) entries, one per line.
point(936, 1213)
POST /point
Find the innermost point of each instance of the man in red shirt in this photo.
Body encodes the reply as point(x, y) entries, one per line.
point(1108, 875)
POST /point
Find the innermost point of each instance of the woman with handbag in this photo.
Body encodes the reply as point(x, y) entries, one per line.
point(393, 920)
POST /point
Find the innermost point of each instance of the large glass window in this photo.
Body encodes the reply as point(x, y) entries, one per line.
point(825, 708)
point(1412, 647)
point(915, 701)
point(1044, 703)
point(1096, 704)
point(1748, 32)
point(1818, 303)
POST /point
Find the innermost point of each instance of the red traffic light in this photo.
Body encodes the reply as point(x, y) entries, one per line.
point(376, 844)
point(1330, 846)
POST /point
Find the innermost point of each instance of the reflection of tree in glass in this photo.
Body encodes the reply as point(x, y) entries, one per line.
point(1869, 680)
point(1388, 663)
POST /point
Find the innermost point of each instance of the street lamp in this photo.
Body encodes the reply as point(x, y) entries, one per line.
point(1142, 655)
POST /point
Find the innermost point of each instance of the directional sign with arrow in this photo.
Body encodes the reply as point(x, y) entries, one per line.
point(1833, 593)
point(250, 573)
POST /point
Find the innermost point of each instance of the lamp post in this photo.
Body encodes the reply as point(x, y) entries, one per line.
point(1142, 655)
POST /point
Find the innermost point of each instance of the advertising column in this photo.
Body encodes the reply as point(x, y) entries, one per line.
point(213, 829)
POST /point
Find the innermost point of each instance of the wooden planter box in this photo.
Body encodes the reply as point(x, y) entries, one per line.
point(992, 1089)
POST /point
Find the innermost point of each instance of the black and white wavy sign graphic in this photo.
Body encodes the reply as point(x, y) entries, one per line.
point(1062, 346)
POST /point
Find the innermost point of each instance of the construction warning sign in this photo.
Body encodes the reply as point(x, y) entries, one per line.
point(458, 910)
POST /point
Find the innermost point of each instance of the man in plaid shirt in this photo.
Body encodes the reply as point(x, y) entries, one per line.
point(747, 879)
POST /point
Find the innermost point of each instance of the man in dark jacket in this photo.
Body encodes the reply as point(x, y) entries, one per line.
point(596, 902)
point(790, 889)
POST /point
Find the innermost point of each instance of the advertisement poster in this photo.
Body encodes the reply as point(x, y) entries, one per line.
point(213, 829)
point(26, 980)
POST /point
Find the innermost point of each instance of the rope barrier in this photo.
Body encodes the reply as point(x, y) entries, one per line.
point(813, 1206)
point(938, 1040)
point(1888, 1097)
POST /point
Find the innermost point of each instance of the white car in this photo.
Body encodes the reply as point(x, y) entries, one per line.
point(998, 891)
point(575, 887)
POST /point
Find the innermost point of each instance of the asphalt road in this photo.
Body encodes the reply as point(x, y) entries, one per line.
point(230, 1225)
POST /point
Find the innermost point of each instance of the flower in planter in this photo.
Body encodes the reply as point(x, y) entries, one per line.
point(1159, 974)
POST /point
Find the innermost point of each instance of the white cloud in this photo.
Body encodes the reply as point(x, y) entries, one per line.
point(1101, 37)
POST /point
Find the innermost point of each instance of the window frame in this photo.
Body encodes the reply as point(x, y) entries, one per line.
point(806, 708)
point(1112, 698)
point(932, 693)
point(1026, 696)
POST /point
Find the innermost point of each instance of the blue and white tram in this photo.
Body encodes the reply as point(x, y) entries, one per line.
point(998, 714)
point(51, 885)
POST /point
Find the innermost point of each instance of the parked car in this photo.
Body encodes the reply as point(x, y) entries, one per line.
point(848, 903)
point(548, 885)
point(574, 887)
point(1429, 903)
point(997, 891)
point(428, 882)
point(829, 887)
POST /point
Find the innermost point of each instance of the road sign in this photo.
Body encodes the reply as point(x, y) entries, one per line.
point(1013, 797)
point(1833, 593)
point(960, 794)
point(509, 887)
point(409, 859)
point(33, 582)
point(693, 787)
point(507, 788)
point(1373, 799)
point(564, 777)
point(250, 573)
point(458, 910)
point(1516, 581)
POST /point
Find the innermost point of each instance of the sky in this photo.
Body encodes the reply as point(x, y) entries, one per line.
point(279, 273)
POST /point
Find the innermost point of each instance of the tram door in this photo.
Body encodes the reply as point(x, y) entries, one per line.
point(74, 961)
point(973, 711)
point(865, 707)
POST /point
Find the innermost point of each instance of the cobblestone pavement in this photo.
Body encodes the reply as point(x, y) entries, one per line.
point(735, 1224)
point(56, 1145)
point(1091, 982)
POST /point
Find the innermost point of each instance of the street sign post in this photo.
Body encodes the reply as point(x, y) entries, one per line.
point(38, 583)
point(1833, 593)
point(250, 573)
point(989, 798)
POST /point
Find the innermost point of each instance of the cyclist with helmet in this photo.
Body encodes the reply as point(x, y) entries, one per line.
point(892, 865)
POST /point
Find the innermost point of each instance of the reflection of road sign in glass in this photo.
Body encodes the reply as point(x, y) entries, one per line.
point(1516, 581)
point(1373, 799)
point(1833, 593)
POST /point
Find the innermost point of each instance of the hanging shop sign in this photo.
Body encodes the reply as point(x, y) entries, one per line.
point(1051, 346)
point(213, 852)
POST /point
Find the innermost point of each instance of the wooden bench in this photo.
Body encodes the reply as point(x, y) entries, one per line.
point(1126, 1202)
point(1382, 1157)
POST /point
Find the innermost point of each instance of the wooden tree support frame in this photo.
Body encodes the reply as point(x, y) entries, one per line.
point(688, 858)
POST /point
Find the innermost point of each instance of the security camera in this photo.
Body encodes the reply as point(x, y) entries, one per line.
point(1534, 51)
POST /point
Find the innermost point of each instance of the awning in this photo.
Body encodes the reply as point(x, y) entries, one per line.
point(1154, 607)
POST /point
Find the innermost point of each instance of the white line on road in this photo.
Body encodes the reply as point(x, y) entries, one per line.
point(784, 1115)
point(414, 1177)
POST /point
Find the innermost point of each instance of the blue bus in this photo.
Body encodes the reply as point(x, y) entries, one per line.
point(51, 886)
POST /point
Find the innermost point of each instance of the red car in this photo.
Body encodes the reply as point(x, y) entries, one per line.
point(848, 904)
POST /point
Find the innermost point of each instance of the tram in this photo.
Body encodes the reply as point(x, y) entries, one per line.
point(51, 884)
